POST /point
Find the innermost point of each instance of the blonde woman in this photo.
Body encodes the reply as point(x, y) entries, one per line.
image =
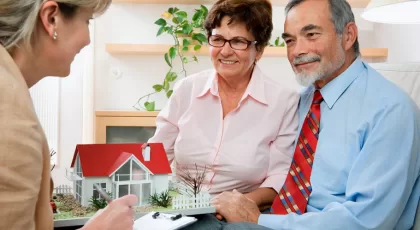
point(39, 38)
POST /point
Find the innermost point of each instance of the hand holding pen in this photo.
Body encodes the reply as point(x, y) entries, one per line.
point(117, 215)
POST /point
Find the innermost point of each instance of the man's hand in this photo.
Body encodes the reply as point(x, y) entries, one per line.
point(236, 207)
point(117, 215)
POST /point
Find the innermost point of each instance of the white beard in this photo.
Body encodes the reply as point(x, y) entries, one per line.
point(307, 79)
point(324, 69)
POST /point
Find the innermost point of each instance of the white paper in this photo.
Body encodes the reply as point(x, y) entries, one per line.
point(147, 222)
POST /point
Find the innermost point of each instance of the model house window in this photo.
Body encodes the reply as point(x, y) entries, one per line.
point(131, 171)
point(123, 190)
point(131, 178)
point(145, 193)
point(123, 174)
point(141, 190)
point(96, 193)
point(137, 172)
point(78, 182)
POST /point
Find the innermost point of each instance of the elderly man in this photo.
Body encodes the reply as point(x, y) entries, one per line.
point(356, 163)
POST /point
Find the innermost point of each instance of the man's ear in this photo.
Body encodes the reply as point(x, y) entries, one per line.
point(350, 34)
point(48, 14)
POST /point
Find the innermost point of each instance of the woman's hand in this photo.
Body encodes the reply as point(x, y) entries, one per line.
point(117, 215)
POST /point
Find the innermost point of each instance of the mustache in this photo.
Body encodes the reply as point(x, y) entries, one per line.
point(307, 58)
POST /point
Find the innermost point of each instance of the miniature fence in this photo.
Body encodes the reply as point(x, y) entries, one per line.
point(185, 202)
point(63, 189)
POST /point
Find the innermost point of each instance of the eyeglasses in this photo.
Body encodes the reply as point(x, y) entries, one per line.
point(237, 43)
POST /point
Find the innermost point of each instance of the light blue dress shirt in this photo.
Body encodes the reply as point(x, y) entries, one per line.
point(366, 167)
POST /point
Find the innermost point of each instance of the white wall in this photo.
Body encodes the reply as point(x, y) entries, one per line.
point(402, 41)
point(70, 119)
point(134, 23)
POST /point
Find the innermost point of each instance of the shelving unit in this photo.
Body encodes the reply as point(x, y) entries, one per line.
point(158, 49)
point(106, 119)
point(353, 3)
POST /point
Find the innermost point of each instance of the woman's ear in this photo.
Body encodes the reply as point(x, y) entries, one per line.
point(49, 15)
point(259, 55)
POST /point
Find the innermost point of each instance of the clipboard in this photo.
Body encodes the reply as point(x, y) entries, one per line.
point(164, 222)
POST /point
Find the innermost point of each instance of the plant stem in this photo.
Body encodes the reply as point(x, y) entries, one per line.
point(147, 95)
point(181, 56)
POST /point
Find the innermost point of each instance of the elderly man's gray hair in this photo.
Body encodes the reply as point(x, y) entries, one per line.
point(340, 14)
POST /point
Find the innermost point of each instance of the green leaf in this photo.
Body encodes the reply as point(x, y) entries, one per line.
point(169, 93)
point(166, 85)
point(199, 37)
point(161, 22)
point(276, 42)
point(176, 9)
point(205, 10)
point(282, 44)
point(179, 32)
point(181, 14)
point(185, 60)
point(197, 15)
point(197, 47)
point(187, 29)
point(150, 106)
point(171, 10)
point(160, 31)
point(195, 59)
point(169, 29)
point(167, 60)
point(175, 20)
point(158, 88)
point(186, 42)
point(172, 52)
point(170, 77)
point(185, 49)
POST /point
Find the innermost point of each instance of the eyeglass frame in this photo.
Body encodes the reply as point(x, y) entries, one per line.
point(229, 40)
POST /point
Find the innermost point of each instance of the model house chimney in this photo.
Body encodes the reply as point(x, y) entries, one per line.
point(146, 152)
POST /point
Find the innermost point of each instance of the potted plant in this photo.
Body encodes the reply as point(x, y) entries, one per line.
point(188, 37)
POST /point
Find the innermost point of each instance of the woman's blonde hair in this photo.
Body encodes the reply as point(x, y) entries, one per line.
point(18, 18)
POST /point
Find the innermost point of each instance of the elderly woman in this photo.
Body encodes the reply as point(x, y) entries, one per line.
point(39, 38)
point(233, 120)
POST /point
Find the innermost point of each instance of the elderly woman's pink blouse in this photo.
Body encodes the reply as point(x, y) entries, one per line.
point(251, 147)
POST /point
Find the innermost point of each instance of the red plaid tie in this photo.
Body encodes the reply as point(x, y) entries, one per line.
point(294, 195)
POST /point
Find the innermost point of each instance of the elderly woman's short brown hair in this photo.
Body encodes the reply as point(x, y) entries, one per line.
point(255, 14)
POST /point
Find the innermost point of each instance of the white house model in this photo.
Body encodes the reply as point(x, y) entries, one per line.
point(121, 169)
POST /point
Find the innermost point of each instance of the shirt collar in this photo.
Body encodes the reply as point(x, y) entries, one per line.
point(255, 88)
point(334, 89)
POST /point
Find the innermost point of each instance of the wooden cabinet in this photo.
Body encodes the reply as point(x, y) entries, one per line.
point(124, 126)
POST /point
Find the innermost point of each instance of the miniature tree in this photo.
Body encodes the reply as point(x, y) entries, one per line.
point(192, 178)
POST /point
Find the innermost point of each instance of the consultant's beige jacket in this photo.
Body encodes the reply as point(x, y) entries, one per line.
point(25, 178)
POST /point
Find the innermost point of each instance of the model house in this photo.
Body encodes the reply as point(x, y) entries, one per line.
point(121, 169)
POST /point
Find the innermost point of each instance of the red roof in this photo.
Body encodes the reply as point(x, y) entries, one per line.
point(99, 160)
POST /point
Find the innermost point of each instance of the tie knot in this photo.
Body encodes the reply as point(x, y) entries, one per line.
point(317, 97)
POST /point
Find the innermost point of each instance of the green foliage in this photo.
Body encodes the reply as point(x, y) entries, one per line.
point(161, 200)
point(99, 203)
point(277, 43)
point(185, 33)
